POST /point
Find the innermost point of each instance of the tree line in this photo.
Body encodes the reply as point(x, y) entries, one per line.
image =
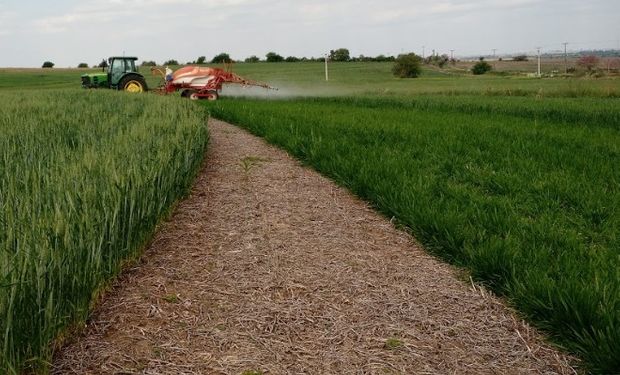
point(338, 55)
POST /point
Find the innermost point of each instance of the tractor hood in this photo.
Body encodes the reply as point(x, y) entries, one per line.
point(94, 80)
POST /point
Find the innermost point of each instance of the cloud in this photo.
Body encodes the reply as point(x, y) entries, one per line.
point(111, 12)
point(396, 11)
point(85, 15)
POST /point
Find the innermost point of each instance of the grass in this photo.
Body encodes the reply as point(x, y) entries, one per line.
point(347, 79)
point(393, 343)
point(86, 177)
point(523, 192)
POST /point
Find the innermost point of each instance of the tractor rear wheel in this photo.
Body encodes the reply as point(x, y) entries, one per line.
point(133, 83)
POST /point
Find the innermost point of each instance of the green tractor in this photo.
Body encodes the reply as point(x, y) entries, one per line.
point(122, 74)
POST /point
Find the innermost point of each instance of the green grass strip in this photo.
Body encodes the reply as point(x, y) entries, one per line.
point(528, 202)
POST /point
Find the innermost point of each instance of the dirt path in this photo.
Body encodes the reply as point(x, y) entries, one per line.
point(270, 267)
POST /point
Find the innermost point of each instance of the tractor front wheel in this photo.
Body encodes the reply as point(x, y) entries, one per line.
point(132, 84)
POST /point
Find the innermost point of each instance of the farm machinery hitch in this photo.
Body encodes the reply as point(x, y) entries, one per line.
point(196, 82)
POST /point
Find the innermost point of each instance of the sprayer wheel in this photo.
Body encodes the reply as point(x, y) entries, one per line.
point(213, 95)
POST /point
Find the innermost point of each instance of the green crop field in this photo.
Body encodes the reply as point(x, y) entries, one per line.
point(523, 192)
point(86, 176)
point(515, 179)
point(367, 79)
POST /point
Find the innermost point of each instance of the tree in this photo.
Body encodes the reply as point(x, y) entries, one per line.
point(589, 62)
point(103, 64)
point(221, 58)
point(274, 57)
point(519, 58)
point(383, 58)
point(292, 59)
point(171, 62)
point(407, 66)
point(252, 59)
point(48, 64)
point(148, 63)
point(341, 54)
point(440, 61)
point(201, 60)
point(82, 65)
point(481, 67)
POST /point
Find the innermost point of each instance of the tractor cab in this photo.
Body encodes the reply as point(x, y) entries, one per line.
point(119, 66)
point(122, 75)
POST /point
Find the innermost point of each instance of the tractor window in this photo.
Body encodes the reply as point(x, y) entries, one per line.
point(132, 66)
point(117, 66)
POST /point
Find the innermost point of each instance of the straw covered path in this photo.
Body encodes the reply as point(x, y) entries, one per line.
point(268, 267)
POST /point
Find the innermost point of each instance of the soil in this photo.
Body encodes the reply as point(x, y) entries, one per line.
point(270, 268)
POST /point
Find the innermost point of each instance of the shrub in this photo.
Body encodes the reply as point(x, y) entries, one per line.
point(292, 59)
point(148, 63)
point(520, 58)
point(383, 58)
point(407, 66)
point(440, 61)
point(82, 65)
point(481, 67)
point(274, 57)
point(252, 59)
point(48, 64)
point(589, 62)
point(221, 58)
point(341, 54)
point(171, 62)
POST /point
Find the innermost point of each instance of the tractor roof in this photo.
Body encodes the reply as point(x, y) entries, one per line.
point(123, 58)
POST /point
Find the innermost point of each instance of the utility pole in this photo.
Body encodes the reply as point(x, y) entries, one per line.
point(494, 49)
point(423, 51)
point(565, 59)
point(451, 54)
point(538, 49)
point(326, 71)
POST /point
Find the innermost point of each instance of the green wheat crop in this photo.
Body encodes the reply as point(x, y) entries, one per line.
point(85, 178)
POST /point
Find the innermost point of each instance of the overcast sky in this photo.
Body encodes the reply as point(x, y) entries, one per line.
point(68, 32)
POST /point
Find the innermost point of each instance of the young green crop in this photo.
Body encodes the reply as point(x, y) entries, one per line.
point(351, 78)
point(86, 176)
point(525, 193)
